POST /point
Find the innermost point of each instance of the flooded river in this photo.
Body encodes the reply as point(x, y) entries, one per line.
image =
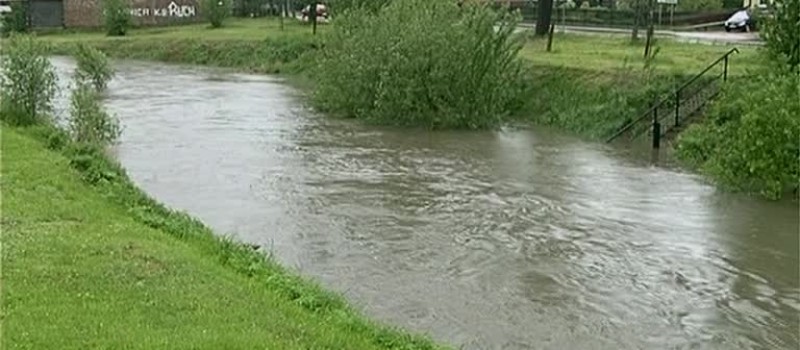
point(515, 239)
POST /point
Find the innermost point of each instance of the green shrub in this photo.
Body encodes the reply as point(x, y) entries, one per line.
point(89, 123)
point(750, 138)
point(28, 81)
point(782, 32)
point(92, 67)
point(215, 11)
point(15, 21)
point(422, 62)
point(117, 16)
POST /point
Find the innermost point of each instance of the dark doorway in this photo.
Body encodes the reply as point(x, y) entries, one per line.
point(46, 13)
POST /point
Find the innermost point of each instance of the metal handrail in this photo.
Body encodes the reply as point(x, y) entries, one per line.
point(676, 95)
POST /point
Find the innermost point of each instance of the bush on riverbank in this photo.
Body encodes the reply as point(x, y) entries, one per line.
point(422, 63)
point(89, 121)
point(749, 140)
point(92, 67)
point(28, 81)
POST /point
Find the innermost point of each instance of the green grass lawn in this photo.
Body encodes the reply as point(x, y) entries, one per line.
point(81, 271)
point(608, 53)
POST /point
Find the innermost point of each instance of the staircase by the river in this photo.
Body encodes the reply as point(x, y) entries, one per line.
point(671, 114)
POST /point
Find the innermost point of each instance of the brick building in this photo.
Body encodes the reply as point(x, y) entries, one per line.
point(88, 13)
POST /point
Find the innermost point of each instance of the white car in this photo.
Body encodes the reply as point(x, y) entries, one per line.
point(740, 20)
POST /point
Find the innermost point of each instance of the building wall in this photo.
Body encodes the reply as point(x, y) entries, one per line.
point(88, 13)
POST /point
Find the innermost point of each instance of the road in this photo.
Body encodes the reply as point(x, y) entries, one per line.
point(696, 37)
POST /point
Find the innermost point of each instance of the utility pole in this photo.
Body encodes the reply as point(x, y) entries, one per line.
point(544, 17)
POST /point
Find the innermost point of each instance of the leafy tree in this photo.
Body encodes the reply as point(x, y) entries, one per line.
point(117, 16)
point(782, 32)
point(215, 11)
point(15, 21)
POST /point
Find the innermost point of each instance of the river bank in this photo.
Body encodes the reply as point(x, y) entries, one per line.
point(90, 261)
point(587, 85)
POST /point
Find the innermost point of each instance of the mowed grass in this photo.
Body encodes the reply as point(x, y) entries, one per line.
point(607, 53)
point(80, 271)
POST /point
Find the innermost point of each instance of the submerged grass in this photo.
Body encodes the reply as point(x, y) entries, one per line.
point(89, 261)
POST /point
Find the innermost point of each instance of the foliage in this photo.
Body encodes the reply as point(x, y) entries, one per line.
point(28, 81)
point(117, 16)
point(750, 138)
point(89, 122)
point(15, 21)
point(215, 11)
point(422, 62)
point(92, 67)
point(782, 32)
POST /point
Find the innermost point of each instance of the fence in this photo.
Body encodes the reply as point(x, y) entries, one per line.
point(674, 110)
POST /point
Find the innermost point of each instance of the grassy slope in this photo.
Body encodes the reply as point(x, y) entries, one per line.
point(103, 267)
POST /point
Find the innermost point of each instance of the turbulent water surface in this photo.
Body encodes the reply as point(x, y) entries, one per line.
point(515, 239)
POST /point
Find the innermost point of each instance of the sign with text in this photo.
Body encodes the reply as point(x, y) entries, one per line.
point(172, 9)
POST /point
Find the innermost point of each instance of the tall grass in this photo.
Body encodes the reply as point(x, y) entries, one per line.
point(422, 63)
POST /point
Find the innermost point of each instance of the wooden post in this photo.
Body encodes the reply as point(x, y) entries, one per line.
point(313, 14)
point(281, 12)
point(550, 37)
point(648, 41)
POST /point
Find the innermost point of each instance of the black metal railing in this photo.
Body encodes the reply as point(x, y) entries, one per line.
point(672, 110)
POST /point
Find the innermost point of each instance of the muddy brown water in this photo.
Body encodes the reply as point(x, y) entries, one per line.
point(512, 239)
